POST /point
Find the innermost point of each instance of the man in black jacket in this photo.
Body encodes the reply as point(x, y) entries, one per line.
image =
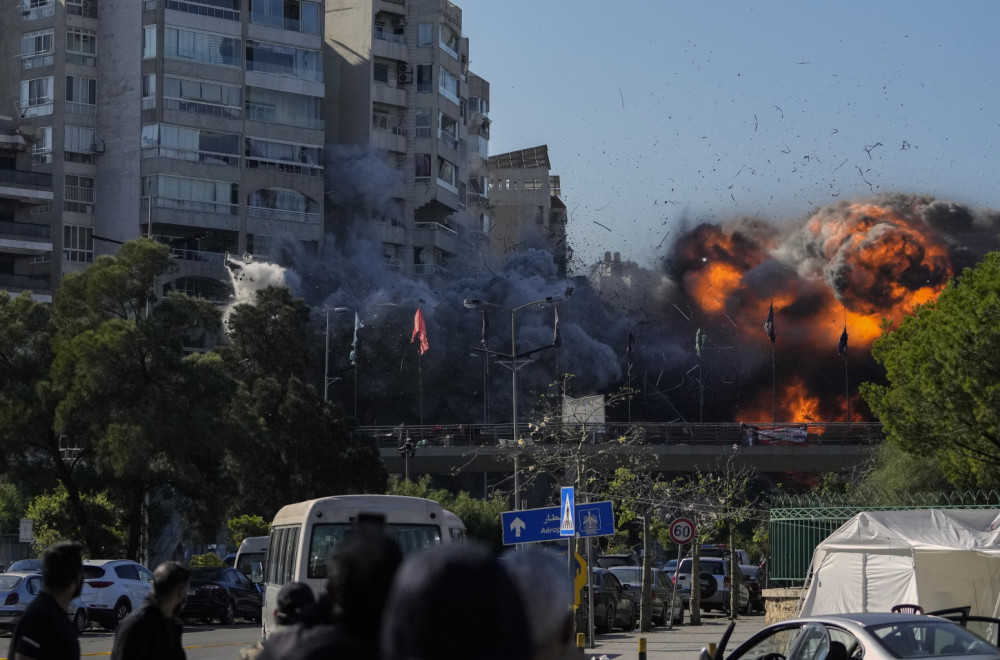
point(153, 632)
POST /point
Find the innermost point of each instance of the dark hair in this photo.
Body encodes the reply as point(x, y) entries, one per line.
point(62, 564)
point(362, 569)
point(464, 585)
point(168, 576)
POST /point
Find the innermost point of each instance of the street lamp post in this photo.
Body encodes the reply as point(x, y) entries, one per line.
point(473, 303)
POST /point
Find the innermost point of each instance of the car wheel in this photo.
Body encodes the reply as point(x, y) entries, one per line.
point(80, 621)
point(228, 615)
point(122, 609)
point(609, 619)
point(662, 619)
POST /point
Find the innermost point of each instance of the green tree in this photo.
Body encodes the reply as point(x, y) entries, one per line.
point(54, 520)
point(144, 411)
point(244, 526)
point(292, 446)
point(481, 517)
point(942, 400)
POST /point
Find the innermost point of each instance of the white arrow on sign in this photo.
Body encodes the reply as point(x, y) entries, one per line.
point(517, 525)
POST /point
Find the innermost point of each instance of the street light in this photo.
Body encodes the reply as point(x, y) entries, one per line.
point(474, 303)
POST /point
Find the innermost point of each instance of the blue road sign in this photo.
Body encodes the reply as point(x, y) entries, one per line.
point(567, 522)
point(533, 525)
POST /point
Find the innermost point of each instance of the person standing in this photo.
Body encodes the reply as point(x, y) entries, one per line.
point(153, 632)
point(44, 631)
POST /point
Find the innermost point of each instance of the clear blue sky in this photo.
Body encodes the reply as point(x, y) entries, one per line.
point(657, 112)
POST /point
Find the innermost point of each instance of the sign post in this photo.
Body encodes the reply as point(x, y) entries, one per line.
point(681, 532)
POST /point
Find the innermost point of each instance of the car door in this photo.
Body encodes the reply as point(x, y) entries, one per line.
point(621, 598)
point(249, 595)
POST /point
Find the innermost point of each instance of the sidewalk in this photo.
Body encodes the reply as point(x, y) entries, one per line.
point(684, 642)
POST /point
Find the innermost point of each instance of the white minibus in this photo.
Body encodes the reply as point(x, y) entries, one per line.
point(303, 536)
point(252, 549)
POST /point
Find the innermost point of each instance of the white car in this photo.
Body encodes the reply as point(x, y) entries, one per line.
point(715, 584)
point(112, 588)
point(18, 588)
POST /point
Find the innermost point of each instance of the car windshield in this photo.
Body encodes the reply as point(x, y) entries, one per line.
point(8, 582)
point(26, 565)
point(207, 572)
point(930, 638)
point(628, 574)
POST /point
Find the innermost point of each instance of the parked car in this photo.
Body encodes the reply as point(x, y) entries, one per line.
point(621, 559)
point(614, 606)
point(112, 588)
point(662, 590)
point(33, 565)
point(715, 583)
point(223, 593)
point(751, 578)
point(18, 588)
point(872, 636)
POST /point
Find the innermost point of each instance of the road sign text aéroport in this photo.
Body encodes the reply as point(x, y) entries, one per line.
point(533, 525)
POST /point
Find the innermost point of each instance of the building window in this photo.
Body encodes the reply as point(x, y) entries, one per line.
point(425, 34)
point(81, 95)
point(422, 171)
point(276, 107)
point(295, 15)
point(282, 204)
point(423, 122)
point(190, 144)
point(284, 156)
point(41, 150)
point(32, 9)
point(448, 85)
point(148, 91)
point(203, 98)
point(208, 47)
point(148, 42)
point(532, 184)
point(424, 77)
point(78, 243)
point(447, 174)
point(225, 9)
point(448, 130)
point(284, 61)
point(36, 97)
point(381, 73)
point(86, 8)
point(449, 41)
point(199, 195)
point(79, 143)
point(81, 46)
point(37, 49)
point(78, 194)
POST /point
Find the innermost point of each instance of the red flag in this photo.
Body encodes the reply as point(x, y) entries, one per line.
point(420, 330)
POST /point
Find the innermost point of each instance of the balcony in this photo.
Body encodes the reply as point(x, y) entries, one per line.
point(27, 187)
point(198, 263)
point(389, 140)
point(395, 234)
point(284, 215)
point(394, 265)
point(24, 238)
point(433, 234)
point(382, 93)
point(19, 283)
point(428, 270)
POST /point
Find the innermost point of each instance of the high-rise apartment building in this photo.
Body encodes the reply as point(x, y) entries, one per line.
point(198, 122)
point(405, 93)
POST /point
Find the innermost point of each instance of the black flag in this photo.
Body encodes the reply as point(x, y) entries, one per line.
point(630, 347)
point(769, 323)
point(842, 346)
point(485, 341)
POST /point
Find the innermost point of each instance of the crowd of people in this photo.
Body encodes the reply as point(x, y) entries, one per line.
point(451, 602)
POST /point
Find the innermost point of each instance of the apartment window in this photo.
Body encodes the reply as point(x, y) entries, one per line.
point(449, 41)
point(200, 195)
point(41, 150)
point(190, 144)
point(422, 170)
point(78, 144)
point(284, 156)
point(425, 34)
point(448, 85)
point(78, 194)
point(381, 73)
point(447, 174)
point(81, 46)
point(148, 42)
point(423, 122)
point(295, 15)
point(148, 91)
point(448, 130)
point(37, 49)
point(284, 61)
point(78, 243)
point(227, 9)
point(87, 8)
point(41, 209)
point(203, 98)
point(424, 77)
point(208, 47)
point(479, 104)
point(81, 95)
point(36, 97)
point(282, 204)
point(32, 9)
point(283, 108)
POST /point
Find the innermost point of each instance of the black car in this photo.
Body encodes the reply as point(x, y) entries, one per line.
point(614, 606)
point(223, 593)
point(751, 577)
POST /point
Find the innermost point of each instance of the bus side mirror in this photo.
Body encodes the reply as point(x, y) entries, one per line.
point(256, 572)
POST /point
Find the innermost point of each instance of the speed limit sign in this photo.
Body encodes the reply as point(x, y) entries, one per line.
point(681, 531)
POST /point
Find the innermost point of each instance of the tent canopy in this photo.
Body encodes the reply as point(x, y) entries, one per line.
point(935, 558)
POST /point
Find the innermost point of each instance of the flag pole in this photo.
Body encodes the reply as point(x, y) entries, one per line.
point(774, 417)
point(420, 386)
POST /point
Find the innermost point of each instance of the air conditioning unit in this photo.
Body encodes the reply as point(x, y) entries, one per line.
point(405, 68)
point(398, 21)
point(405, 77)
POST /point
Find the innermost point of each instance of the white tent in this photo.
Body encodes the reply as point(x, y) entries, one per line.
point(935, 558)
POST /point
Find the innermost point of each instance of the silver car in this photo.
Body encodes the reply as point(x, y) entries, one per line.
point(871, 636)
point(662, 591)
point(19, 588)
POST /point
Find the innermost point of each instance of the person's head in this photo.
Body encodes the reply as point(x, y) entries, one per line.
point(62, 567)
point(454, 602)
point(363, 566)
point(294, 602)
point(543, 582)
point(170, 585)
